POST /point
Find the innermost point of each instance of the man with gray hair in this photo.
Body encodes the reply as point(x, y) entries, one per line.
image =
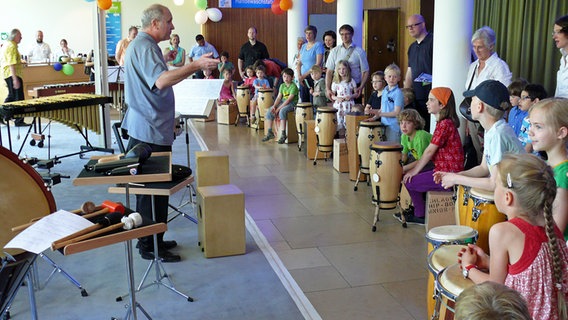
point(150, 101)
point(12, 70)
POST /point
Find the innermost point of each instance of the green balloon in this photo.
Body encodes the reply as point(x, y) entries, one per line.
point(68, 69)
point(201, 4)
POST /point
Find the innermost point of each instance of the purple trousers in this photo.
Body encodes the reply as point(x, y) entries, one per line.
point(417, 188)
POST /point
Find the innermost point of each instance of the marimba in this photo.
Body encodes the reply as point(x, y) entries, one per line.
point(116, 90)
point(76, 110)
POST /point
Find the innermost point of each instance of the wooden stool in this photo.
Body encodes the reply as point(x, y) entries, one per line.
point(212, 168)
point(221, 216)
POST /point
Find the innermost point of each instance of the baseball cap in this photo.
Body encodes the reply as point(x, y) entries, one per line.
point(491, 92)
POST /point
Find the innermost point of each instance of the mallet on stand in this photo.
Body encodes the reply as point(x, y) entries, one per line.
point(131, 221)
point(106, 207)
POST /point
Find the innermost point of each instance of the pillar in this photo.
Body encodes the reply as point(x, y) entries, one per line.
point(350, 12)
point(297, 22)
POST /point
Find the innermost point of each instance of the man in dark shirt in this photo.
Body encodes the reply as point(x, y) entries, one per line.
point(251, 51)
point(419, 61)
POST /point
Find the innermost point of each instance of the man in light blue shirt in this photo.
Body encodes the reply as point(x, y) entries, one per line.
point(202, 47)
point(150, 100)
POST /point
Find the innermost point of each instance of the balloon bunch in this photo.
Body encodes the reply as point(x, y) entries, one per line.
point(204, 13)
point(67, 69)
point(280, 6)
point(104, 4)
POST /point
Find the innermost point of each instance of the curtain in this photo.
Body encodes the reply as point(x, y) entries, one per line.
point(523, 30)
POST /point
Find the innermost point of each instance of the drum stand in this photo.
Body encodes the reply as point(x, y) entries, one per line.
point(57, 268)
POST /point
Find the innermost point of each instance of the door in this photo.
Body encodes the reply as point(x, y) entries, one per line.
point(382, 43)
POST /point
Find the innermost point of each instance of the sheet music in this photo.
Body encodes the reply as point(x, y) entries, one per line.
point(39, 236)
point(193, 96)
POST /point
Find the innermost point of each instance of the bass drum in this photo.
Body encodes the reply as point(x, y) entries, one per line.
point(23, 196)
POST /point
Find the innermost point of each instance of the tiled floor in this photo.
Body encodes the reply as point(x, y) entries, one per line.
point(321, 229)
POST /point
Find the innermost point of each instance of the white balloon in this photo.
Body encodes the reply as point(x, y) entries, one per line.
point(201, 17)
point(214, 14)
point(179, 2)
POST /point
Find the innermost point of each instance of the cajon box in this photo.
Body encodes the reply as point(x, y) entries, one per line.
point(311, 142)
point(352, 120)
point(340, 155)
point(221, 220)
point(291, 131)
point(212, 168)
point(440, 209)
point(227, 113)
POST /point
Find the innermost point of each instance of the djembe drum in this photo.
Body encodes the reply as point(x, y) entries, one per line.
point(326, 126)
point(304, 111)
point(24, 195)
point(369, 133)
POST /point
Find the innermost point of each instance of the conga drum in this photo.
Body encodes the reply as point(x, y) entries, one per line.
point(243, 101)
point(450, 283)
point(369, 132)
point(438, 238)
point(385, 168)
point(461, 195)
point(265, 100)
point(326, 126)
point(304, 111)
point(24, 197)
point(481, 215)
point(386, 173)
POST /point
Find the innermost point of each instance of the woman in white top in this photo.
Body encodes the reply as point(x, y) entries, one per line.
point(64, 50)
point(488, 66)
point(560, 36)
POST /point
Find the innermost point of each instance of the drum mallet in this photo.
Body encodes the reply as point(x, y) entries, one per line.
point(107, 220)
point(107, 207)
point(132, 221)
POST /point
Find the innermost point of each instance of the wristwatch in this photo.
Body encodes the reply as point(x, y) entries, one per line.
point(465, 271)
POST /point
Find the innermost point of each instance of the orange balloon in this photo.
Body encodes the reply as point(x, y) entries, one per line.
point(104, 4)
point(285, 5)
point(328, 1)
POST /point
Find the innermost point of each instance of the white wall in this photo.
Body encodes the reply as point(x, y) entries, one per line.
point(73, 20)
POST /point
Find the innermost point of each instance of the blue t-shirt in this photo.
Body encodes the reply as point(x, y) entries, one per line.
point(391, 98)
point(309, 57)
point(516, 116)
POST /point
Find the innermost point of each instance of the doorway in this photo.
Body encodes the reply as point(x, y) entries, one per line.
point(382, 43)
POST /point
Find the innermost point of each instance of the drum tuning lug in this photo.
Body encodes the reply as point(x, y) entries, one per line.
point(475, 213)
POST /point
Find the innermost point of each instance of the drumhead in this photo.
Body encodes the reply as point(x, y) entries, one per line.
point(370, 124)
point(326, 110)
point(443, 257)
point(451, 282)
point(23, 196)
point(451, 232)
point(243, 87)
point(304, 105)
point(265, 90)
point(386, 145)
point(482, 194)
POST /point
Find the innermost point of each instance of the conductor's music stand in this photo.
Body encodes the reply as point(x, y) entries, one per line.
point(156, 189)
